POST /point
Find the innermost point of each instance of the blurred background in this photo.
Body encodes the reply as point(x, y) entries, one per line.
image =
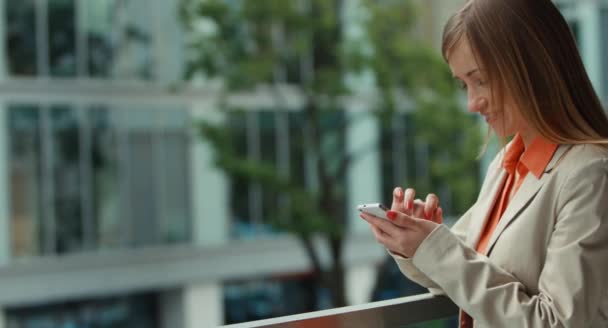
point(193, 163)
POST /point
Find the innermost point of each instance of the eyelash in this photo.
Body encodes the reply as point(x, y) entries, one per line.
point(464, 86)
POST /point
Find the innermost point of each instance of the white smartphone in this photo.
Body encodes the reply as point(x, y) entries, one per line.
point(376, 209)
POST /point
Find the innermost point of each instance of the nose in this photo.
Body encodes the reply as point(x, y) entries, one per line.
point(476, 103)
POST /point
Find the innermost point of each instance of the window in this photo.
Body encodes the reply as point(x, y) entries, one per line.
point(254, 138)
point(86, 178)
point(277, 138)
point(130, 311)
point(69, 38)
point(62, 37)
point(119, 38)
point(153, 151)
point(26, 180)
point(21, 37)
point(269, 297)
point(62, 142)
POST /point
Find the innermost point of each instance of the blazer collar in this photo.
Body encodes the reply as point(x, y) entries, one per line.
point(559, 154)
point(530, 186)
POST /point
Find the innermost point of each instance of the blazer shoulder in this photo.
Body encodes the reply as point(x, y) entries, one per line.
point(587, 159)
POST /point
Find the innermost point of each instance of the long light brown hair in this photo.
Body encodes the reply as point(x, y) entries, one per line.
point(529, 55)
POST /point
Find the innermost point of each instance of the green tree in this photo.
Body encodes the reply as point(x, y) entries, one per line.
point(308, 46)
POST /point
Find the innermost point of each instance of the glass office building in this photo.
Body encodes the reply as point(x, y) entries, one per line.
point(111, 211)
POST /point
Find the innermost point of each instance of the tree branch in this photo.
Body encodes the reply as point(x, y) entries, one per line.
point(311, 252)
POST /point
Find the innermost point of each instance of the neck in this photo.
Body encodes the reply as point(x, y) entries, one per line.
point(527, 136)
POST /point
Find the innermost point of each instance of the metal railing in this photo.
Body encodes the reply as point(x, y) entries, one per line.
point(394, 313)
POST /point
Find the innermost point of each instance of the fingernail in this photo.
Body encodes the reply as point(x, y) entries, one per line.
point(427, 215)
point(400, 193)
point(410, 204)
point(391, 215)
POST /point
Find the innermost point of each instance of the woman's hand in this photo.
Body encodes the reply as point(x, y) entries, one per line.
point(404, 202)
point(408, 225)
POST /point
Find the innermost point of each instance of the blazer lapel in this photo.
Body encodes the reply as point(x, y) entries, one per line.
point(529, 187)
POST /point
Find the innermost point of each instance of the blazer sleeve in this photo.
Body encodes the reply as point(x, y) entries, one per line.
point(407, 267)
point(572, 281)
point(459, 229)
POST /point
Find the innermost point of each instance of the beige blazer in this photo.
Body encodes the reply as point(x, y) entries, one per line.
point(547, 260)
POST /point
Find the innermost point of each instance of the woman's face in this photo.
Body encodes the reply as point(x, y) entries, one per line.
point(473, 79)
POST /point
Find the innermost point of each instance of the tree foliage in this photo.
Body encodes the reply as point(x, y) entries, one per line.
point(319, 47)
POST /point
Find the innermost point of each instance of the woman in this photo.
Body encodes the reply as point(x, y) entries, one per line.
point(533, 249)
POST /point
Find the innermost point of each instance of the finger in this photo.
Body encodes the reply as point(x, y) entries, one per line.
point(418, 211)
point(408, 200)
point(380, 235)
point(382, 224)
point(397, 204)
point(384, 239)
point(401, 219)
point(431, 204)
point(377, 232)
point(438, 217)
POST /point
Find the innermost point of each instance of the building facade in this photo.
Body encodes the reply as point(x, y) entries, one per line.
point(112, 212)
